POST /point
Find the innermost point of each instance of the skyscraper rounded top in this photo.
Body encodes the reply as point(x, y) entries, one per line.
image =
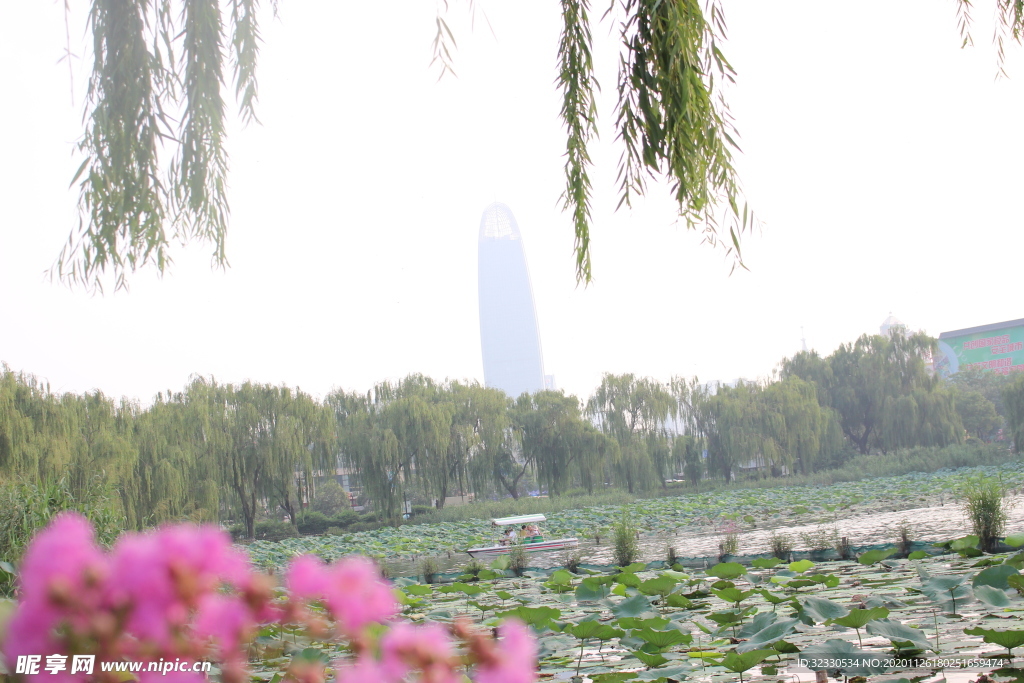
point(498, 223)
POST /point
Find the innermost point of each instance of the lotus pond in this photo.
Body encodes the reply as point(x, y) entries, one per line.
point(915, 618)
point(866, 512)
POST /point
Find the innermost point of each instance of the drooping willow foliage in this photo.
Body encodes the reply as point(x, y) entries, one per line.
point(155, 163)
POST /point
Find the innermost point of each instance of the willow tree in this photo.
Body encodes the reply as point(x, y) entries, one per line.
point(302, 441)
point(882, 392)
point(37, 428)
point(634, 411)
point(556, 440)
point(371, 448)
point(1013, 399)
point(494, 464)
point(176, 476)
point(423, 430)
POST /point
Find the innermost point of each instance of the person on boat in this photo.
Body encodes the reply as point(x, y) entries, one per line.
point(532, 530)
point(510, 536)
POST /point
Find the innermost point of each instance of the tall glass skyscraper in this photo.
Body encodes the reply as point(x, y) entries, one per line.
point(509, 336)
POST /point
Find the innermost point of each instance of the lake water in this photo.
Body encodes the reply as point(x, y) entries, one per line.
point(868, 525)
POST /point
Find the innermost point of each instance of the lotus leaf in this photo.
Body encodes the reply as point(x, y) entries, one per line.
point(857, 618)
point(899, 634)
point(733, 594)
point(616, 677)
point(727, 570)
point(628, 579)
point(1007, 639)
point(1014, 540)
point(761, 620)
point(994, 597)
point(650, 659)
point(769, 635)
point(674, 673)
point(873, 556)
point(766, 562)
point(587, 628)
point(738, 662)
point(662, 585)
point(773, 598)
point(785, 647)
point(677, 600)
point(995, 576)
point(730, 617)
point(656, 623)
point(590, 590)
point(800, 566)
point(947, 591)
point(823, 609)
point(632, 607)
point(663, 639)
point(861, 662)
point(538, 617)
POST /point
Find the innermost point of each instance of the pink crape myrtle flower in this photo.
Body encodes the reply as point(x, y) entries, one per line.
point(226, 620)
point(172, 677)
point(306, 577)
point(357, 595)
point(363, 670)
point(427, 648)
point(513, 660)
point(61, 582)
point(164, 575)
point(352, 590)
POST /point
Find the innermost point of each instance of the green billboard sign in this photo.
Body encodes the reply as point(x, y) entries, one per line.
point(996, 348)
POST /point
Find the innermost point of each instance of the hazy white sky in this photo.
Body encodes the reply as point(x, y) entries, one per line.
point(883, 160)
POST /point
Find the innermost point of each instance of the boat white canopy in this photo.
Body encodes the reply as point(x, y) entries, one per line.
point(521, 519)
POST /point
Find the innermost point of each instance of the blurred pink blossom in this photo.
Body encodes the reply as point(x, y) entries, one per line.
point(514, 660)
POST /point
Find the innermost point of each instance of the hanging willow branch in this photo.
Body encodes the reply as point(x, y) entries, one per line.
point(155, 162)
point(155, 166)
point(673, 121)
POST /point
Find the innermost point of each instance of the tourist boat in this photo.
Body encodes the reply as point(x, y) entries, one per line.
point(533, 544)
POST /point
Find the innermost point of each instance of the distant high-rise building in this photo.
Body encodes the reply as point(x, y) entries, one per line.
point(509, 335)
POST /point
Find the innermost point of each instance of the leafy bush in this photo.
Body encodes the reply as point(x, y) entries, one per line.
point(27, 507)
point(274, 530)
point(627, 545)
point(822, 538)
point(474, 567)
point(429, 569)
point(984, 504)
point(572, 560)
point(330, 498)
point(313, 523)
point(517, 560)
point(780, 545)
point(903, 536)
